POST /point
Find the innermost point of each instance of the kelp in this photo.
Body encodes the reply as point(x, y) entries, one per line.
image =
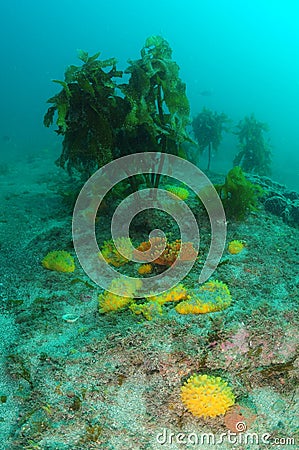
point(88, 110)
point(159, 106)
point(255, 153)
point(208, 127)
point(239, 196)
point(101, 120)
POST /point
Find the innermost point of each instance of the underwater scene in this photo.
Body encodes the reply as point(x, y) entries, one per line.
point(149, 225)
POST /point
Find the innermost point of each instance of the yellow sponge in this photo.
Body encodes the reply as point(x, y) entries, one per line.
point(179, 292)
point(108, 301)
point(177, 191)
point(235, 247)
point(210, 297)
point(60, 261)
point(207, 396)
point(149, 310)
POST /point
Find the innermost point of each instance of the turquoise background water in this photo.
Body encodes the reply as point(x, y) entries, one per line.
point(244, 53)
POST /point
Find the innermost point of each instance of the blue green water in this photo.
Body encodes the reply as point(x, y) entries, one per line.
point(237, 57)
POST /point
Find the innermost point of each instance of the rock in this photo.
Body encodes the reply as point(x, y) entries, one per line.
point(276, 205)
point(292, 195)
point(294, 213)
